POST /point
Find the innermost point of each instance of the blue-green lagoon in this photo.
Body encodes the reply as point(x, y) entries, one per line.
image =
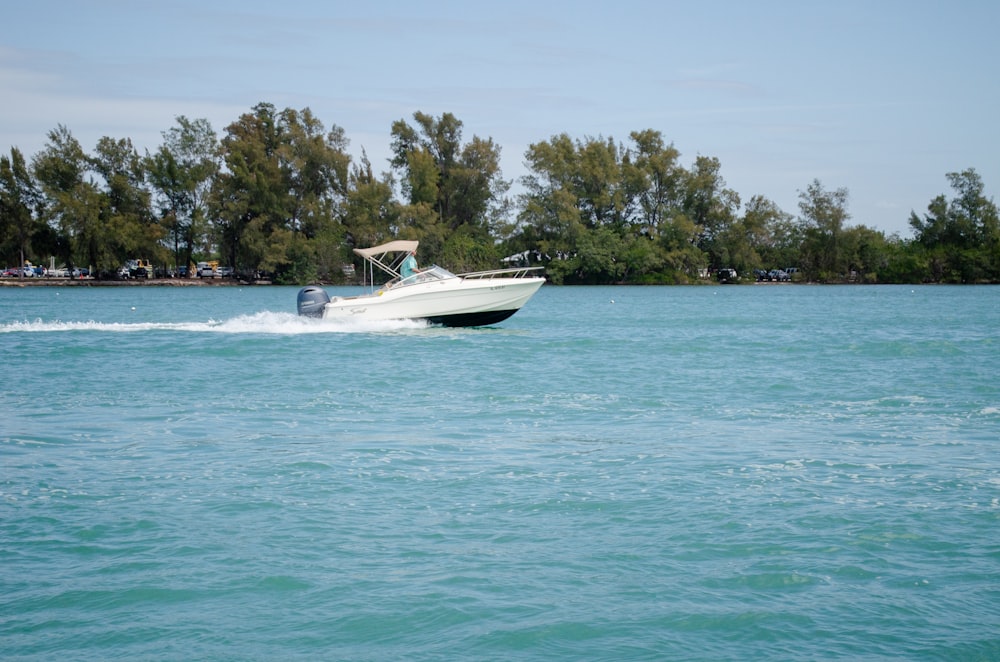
point(715, 472)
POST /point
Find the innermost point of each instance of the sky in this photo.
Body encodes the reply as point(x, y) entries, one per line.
point(880, 97)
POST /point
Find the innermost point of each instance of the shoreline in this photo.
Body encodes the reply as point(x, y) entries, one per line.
point(45, 281)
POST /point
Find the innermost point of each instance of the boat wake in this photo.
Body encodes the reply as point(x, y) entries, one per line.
point(257, 323)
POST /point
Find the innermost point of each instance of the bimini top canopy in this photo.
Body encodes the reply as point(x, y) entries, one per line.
point(399, 246)
point(378, 256)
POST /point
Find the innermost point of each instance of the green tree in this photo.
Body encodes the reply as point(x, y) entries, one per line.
point(550, 220)
point(422, 223)
point(592, 173)
point(181, 172)
point(281, 195)
point(681, 255)
point(822, 217)
point(621, 214)
point(602, 195)
point(866, 253)
point(463, 252)
point(461, 184)
point(655, 179)
point(19, 200)
point(906, 261)
point(371, 215)
point(479, 193)
point(571, 192)
point(713, 208)
point(763, 232)
point(423, 179)
point(600, 253)
point(72, 202)
point(129, 228)
point(249, 197)
point(316, 166)
point(660, 186)
point(642, 260)
point(961, 237)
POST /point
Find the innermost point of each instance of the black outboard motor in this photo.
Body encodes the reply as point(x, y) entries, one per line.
point(311, 301)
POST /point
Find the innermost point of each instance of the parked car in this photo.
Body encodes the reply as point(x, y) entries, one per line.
point(728, 276)
point(779, 275)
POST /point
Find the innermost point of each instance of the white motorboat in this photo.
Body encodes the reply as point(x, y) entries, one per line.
point(433, 294)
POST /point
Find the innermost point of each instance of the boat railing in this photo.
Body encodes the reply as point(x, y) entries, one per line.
point(514, 272)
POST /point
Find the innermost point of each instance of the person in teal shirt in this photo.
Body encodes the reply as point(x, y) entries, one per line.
point(409, 266)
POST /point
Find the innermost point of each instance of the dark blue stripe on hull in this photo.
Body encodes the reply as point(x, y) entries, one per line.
point(472, 319)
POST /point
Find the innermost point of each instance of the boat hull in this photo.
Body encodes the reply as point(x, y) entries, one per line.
point(472, 319)
point(452, 302)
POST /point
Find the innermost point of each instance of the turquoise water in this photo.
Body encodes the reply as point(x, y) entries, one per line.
point(744, 472)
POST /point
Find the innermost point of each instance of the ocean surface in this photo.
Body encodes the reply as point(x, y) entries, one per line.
point(660, 473)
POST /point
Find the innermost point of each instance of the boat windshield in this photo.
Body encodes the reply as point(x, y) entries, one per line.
point(423, 276)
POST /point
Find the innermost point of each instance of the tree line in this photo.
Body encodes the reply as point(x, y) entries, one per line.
point(278, 194)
